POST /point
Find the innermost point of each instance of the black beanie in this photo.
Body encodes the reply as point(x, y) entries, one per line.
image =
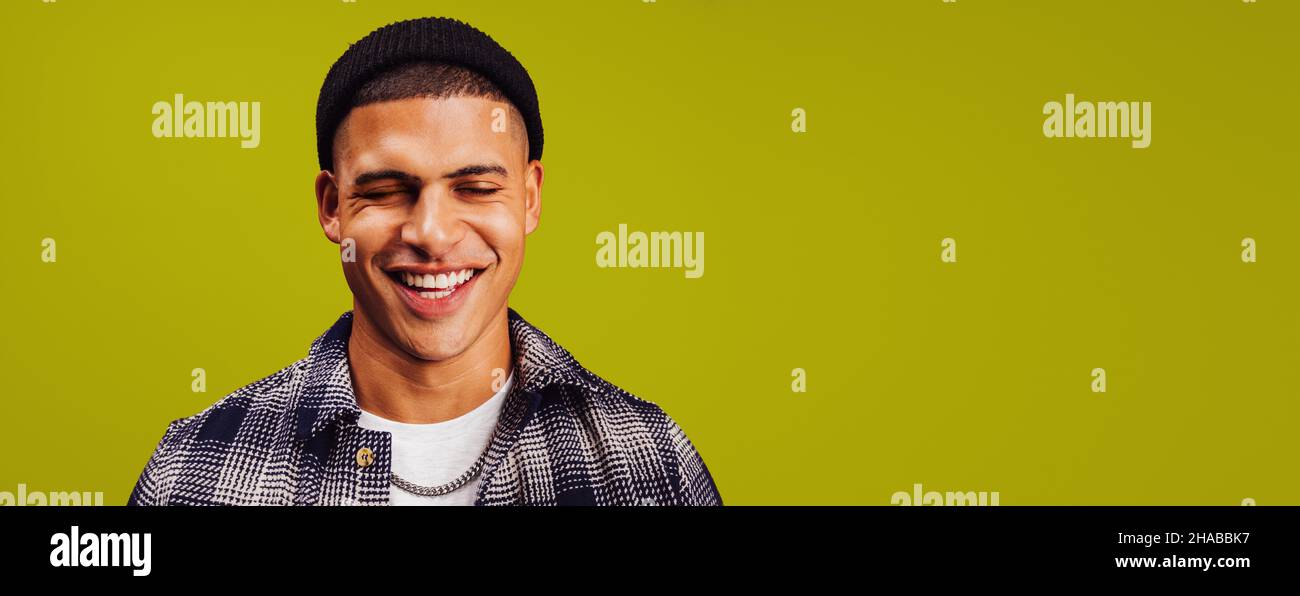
point(433, 39)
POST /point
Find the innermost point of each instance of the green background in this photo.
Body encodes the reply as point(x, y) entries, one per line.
point(822, 248)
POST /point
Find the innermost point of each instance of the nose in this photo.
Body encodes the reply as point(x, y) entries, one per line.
point(433, 225)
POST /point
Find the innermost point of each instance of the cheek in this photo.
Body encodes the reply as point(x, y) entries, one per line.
point(502, 230)
point(370, 229)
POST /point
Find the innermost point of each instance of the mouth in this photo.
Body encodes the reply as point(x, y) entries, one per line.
point(435, 292)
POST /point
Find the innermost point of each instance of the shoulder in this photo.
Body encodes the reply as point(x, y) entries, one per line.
point(635, 434)
point(615, 407)
point(585, 426)
point(566, 389)
point(268, 396)
point(251, 417)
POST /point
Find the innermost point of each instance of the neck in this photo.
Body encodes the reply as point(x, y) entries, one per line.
point(391, 383)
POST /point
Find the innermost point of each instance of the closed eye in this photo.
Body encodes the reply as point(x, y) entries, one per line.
point(380, 193)
point(479, 191)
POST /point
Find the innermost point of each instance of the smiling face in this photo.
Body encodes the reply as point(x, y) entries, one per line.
point(438, 204)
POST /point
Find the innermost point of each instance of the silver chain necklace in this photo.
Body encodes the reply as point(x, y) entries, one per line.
point(459, 481)
point(441, 489)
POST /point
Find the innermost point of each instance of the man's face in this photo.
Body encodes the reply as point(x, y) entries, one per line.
point(438, 203)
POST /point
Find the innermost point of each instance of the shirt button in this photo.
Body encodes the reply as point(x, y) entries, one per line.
point(365, 457)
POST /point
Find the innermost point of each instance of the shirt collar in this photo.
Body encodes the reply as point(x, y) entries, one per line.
point(324, 394)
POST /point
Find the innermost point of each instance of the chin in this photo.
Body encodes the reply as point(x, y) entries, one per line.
point(437, 344)
point(435, 354)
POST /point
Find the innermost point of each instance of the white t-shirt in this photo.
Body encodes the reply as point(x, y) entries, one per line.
point(437, 453)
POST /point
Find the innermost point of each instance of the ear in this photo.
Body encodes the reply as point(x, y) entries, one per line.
point(327, 205)
point(532, 196)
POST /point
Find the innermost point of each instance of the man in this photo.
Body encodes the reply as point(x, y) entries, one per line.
point(431, 390)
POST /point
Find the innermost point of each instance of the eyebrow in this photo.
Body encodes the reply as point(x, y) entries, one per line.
point(471, 170)
point(373, 175)
point(477, 170)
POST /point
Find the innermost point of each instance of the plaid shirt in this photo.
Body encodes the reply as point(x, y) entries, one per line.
point(564, 437)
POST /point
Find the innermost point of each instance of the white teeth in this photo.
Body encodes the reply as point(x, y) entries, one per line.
point(440, 285)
